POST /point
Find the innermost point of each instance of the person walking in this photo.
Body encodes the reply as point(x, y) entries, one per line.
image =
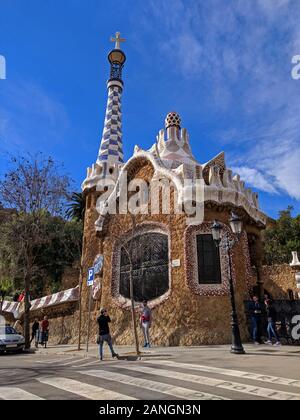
point(44, 331)
point(271, 329)
point(104, 334)
point(34, 328)
point(145, 323)
point(256, 312)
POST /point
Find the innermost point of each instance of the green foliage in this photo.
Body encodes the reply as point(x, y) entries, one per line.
point(282, 238)
point(54, 244)
point(6, 287)
point(6, 269)
point(62, 250)
point(37, 190)
point(37, 243)
point(76, 208)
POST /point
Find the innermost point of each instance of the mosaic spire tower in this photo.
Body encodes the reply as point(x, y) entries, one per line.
point(111, 147)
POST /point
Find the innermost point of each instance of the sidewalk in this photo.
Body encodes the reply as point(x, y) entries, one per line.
point(281, 361)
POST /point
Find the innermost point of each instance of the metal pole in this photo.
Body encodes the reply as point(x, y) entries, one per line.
point(80, 310)
point(137, 349)
point(89, 320)
point(236, 346)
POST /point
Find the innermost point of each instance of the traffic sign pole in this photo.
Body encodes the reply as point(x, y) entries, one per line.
point(89, 319)
point(90, 282)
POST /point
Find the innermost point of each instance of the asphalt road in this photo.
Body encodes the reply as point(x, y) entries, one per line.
point(194, 374)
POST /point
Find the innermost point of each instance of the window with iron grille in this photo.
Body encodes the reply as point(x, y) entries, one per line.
point(209, 270)
point(150, 267)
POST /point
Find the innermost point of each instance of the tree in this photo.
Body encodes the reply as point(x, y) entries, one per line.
point(6, 270)
point(6, 287)
point(62, 249)
point(34, 187)
point(76, 211)
point(76, 208)
point(282, 237)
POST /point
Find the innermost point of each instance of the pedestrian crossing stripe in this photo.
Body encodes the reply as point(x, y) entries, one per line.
point(218, 383)
point(95, 362)
point(58, 361)
point(173, 390)
point(277, 380)
point(70, 362)
point(91, 392)
point(162, 369)
point(13, 393)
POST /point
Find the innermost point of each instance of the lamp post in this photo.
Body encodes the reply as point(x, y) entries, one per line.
point(236, 227)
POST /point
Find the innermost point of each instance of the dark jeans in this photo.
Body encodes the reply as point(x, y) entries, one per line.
point(271, 330)
point(256, 329)
point(44, 336)
point(102, 339)
point(33, 335)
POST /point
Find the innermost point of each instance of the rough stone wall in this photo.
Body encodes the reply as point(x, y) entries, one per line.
point(278, 280)
point(70, 278)
point(63, 328)
point(63, 322)
point(184, 318)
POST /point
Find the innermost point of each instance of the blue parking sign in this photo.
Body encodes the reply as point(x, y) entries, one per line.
point(90, 279)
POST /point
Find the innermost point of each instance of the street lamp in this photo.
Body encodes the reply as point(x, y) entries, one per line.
point(236, 227)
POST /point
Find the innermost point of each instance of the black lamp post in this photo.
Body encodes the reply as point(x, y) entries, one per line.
point(236, 227)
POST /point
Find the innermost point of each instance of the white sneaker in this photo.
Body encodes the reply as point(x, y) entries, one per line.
point(268, 342)
point(256, 343)
point(277, 343)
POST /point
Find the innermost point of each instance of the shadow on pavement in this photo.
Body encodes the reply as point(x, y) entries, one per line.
point(133, 357)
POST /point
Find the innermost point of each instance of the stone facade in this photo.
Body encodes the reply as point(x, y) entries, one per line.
point(278, 280)
point(184, 316)
point(187, 313)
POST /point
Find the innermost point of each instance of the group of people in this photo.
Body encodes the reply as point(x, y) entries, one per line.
point(256, 312)
point(40, 332)
point(104, 334)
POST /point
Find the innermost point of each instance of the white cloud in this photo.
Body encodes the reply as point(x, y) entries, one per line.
point(287, 173)
point(274, 152)
point(243, 52)
point(255, 179)
point(188, 53)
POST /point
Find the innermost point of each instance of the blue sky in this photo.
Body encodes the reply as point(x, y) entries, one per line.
point(225, 66)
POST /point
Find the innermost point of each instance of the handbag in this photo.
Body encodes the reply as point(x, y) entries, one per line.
point(98, 339)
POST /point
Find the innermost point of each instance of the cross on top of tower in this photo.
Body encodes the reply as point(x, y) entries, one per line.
point(117, 40)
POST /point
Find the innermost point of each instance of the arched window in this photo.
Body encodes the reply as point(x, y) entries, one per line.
point(150, 266)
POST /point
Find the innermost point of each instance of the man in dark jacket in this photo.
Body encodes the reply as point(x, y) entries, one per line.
point(255, 313)
point(104, 335)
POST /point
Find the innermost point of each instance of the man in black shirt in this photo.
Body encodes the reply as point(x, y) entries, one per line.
point(104, 335)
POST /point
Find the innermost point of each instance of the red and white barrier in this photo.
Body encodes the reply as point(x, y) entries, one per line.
point(66, 296)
